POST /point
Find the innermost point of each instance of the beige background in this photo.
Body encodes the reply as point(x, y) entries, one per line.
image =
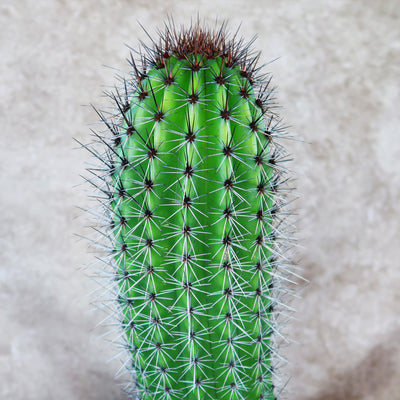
point(338, 83)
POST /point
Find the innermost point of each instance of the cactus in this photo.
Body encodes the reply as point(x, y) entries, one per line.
point(191, 185)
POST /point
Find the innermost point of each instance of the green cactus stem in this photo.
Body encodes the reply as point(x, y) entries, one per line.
point(192, 183)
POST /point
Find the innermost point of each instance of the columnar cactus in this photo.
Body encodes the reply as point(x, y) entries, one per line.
point(191, 187)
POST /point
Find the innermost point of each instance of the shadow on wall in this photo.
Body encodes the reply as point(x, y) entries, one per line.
point(369, 377)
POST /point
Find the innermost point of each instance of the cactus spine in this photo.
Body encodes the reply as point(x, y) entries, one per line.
point(191, 185)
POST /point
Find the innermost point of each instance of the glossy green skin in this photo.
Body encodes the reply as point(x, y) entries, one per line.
point(183, 338)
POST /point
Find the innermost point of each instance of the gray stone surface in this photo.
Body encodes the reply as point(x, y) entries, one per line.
point(338, 82)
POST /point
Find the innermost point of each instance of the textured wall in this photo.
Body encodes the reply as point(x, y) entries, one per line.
point(338, 80)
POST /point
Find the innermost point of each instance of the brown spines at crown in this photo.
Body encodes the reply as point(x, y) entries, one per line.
point(209, 43)
point(195, 40)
